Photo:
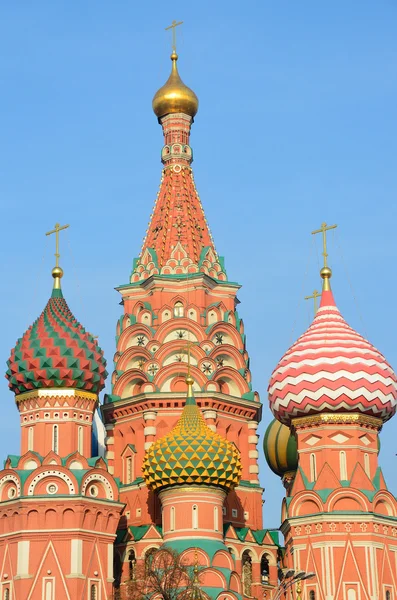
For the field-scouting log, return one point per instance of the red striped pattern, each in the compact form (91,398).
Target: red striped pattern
(331,368)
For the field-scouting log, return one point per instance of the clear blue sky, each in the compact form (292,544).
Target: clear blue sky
(296,125)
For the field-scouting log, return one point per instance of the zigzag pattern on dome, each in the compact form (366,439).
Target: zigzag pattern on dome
(178,239)
(332,368)
(56,351)
(192,454)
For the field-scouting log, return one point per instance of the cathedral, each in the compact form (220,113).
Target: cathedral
(173,460)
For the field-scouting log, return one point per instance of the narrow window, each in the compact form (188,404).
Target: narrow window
(312,595)
(313,470)
(265,570)
(178,309)
(129,469)
(7,594)
(388,595)
(172,518)
(195,517)
(351,594)
(49,590)
(216,520)
(131,565)
(30,438)
(55,439)
(80,437)
(367,468)
(342,465)
(94,592)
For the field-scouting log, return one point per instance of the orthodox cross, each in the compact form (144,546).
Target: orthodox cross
(186,350)
(323,229)
(56,230)
(173,25)
(314,297)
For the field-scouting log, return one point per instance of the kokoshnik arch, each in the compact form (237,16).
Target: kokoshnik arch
(181,461)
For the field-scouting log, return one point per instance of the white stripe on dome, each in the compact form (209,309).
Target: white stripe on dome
(346,350)
(328,376)
(298,398)
(333,360)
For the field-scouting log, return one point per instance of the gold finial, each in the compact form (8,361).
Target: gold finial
(314,297)
(298,590)
(325,272)
(173,26)
(57,272)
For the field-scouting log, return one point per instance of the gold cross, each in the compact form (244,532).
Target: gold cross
(173,25)
(324,228)
(314,297)
(56,230)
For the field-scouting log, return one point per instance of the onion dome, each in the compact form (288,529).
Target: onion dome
(332,368)
(280,447)
(191,453)
(175,96)
(56,351)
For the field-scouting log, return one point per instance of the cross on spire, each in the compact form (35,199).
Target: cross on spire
(56,230)
(173,25)
(314,297)
(323,229)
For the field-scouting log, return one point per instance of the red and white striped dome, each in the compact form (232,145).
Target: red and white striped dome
(331,368)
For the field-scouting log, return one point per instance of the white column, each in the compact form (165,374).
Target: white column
(23,558)
(76,557)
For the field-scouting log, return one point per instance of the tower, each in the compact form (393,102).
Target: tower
(334,391)
(179,306)
(59,506)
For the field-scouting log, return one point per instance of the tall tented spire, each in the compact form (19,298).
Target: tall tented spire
(178,240)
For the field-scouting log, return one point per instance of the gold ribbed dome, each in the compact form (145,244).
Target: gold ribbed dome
(175,96)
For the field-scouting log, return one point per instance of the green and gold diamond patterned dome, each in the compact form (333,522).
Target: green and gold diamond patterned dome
(56,351)
(192,454)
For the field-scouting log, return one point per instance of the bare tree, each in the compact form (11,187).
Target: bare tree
(164,575)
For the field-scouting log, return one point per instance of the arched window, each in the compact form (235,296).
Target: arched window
(195,516)
(351,594)
(367,467)
(30,438)
(131,565)
(246,562)
(313,469)
(172,518)
(343,465)
(49,590)
(7,593)
(264,570)
(312,595)
(55,438)
(94,592)
(80,437)
(178,309)
(216,519)
(388,595)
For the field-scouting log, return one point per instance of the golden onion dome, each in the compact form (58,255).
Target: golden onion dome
(175,96)
(280,447)
(192,454)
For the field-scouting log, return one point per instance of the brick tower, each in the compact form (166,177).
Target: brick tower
(179,301)
(334,390)
(59,506)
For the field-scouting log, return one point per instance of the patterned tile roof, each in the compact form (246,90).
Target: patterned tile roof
(56,351)
(332,368)
(192,454)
